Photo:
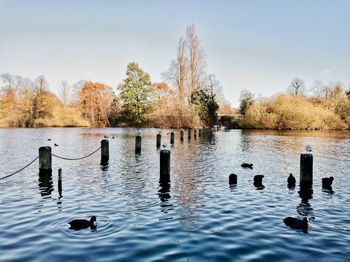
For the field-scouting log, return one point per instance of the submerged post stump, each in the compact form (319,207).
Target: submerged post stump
(159,139)
(138,144)
(189,134)
(306,167)
(181,135)
(104,152)
(60,181)
(45,160)
(172,137)
(165,165)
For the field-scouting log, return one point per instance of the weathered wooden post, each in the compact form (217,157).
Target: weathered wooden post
(45,160)
(159,139)
(181,135)
(104,152)
(172,137)
(194,133)
(306,167)
(138,144)
(164,165)
(189,134)
(60,181)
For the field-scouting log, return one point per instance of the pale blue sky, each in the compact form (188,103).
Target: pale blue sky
(256,45)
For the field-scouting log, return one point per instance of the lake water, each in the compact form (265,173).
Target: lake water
(199,217)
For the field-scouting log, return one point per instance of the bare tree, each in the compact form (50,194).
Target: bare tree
(195,62)
(65,91)
(8,81)
(297,87)
(177,73)
(181,68)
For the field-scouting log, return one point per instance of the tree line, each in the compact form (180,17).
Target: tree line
(187,97)
(326,107)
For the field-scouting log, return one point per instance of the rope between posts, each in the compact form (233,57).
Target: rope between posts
(78,158)
(20,169)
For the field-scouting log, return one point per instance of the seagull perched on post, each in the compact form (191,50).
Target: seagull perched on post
(308,149)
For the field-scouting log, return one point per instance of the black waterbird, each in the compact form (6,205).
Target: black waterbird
(327,182)
(246,165)
(78,224)
(291,180)
(296,223)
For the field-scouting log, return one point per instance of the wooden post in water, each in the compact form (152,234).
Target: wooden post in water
(138,144)
(159,139)
(189,134)
(172,137)
(199,132)
(104,152)
(181,135)
(306,167)
(45,160)
(60,181)
(164,165)
(194,133)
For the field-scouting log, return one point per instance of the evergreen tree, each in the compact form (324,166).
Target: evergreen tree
(136,94)
(206,105)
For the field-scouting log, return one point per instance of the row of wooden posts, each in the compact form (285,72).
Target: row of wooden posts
(45,160)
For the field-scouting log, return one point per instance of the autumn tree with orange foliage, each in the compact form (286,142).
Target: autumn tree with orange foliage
(97,102)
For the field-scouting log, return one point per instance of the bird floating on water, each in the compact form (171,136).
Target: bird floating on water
(296,223)
(291,181)
(247,165)
(49,139)
(105,136)
(55,144)
(78,224)
(308,148)
(327,182)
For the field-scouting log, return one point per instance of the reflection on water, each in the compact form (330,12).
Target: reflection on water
(45,185)
(194,215)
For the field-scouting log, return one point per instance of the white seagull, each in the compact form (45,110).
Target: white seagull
(308,148)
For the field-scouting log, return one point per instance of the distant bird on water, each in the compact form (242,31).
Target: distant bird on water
(105,136)
(296,223)
(291,180)
(308,148)
(327,182)
(247,165)
(49,139)
(55,144)
(78,224)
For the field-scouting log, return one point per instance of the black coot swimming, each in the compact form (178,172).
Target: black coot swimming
(291,180)
(327,182)
(246,165)
(296,223)
(78,224)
